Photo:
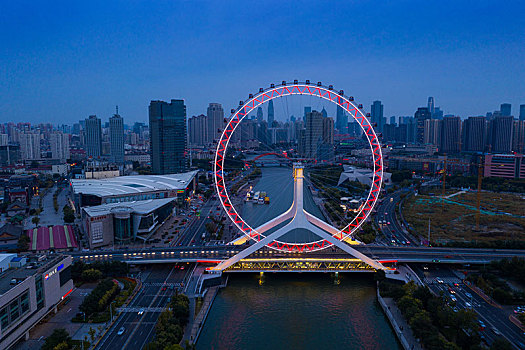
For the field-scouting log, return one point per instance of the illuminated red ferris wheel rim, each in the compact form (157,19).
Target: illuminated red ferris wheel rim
(299,88)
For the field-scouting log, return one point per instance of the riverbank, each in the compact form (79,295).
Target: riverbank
(399,325)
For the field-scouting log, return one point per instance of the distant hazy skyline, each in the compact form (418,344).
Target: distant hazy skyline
(62,61)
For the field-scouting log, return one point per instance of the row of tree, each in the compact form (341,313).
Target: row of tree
(170,325)
(82,272)
(432,320)
(100,297)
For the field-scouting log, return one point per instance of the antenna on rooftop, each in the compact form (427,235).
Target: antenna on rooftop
(117,110)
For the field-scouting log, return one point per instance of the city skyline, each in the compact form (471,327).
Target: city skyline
(460,59)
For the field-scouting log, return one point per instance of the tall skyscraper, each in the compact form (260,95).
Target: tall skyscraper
(376,112)
(306,111)
(168,137)
(93,137)
(116,138)
(522,112)
(198,130)
(313,133)
(501,134)
(432,132)
(59,143)
(475,134)
(451,135)
(216,124)
(430,105)
(518,136)
(271,114)
(420,116)
(392,120)
(341,120)
(506,109)
(324,113)
(30,146)
(260,115)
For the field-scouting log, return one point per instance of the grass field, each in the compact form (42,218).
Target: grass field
(502,217)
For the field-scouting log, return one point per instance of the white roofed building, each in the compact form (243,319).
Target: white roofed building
(90,192)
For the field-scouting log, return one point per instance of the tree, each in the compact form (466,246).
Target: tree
(92,333)
(69,217)
(59,335)
(62,346)
(501,344)
(35,220)
(23,242)
(91,275)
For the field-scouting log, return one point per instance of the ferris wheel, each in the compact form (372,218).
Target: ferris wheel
(327,93)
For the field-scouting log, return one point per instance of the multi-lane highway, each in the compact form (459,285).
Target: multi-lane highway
(221,252)
(158,285)
(496,322)
(192,234)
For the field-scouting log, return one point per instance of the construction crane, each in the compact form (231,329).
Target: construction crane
(478,196)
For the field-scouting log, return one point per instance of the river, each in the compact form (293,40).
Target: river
(297,311)
(294,310)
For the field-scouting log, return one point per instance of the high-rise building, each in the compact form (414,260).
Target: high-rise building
(506,109)
(518,136)
(59,143)
(93,136)
(116,138)
(341,120)
(501,134)
(475,134)
(376,113)
(451,135)
(271,114)
(393,120)
(198,130)
(438,113)
(4,139)
(324,113)
(306,111)
(432,132)
(29,146)
(522,112)
(430,105)
(420,116)
(168,137)
(216,123)
(313,133)
(260,115)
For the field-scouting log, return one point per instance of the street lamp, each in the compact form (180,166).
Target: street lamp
(110,311)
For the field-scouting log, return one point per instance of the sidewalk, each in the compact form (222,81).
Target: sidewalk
(398,322)
(196,327)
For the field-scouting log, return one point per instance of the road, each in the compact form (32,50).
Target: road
(492,316)
(139,329)
(386,220)
(192,234)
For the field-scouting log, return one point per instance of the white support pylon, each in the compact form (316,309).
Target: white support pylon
(300,219)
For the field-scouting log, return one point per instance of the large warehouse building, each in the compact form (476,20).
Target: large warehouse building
(132,188)
(122,223)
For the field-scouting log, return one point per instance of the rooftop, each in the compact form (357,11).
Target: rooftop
(124,185)
(22,273)
(138,207)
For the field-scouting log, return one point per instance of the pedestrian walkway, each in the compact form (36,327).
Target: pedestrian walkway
(203,313)
(398,322)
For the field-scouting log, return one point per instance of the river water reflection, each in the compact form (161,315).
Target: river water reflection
(297,311)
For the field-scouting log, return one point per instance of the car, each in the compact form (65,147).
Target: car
(468,295)
(456,284)
(439,280)
(495,331)
(121,331)
(468,305)
(141,311)
(425,267)
(452,291)
(163,288)
(453,298)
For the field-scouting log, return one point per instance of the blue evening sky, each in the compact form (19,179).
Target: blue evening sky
(61,61)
